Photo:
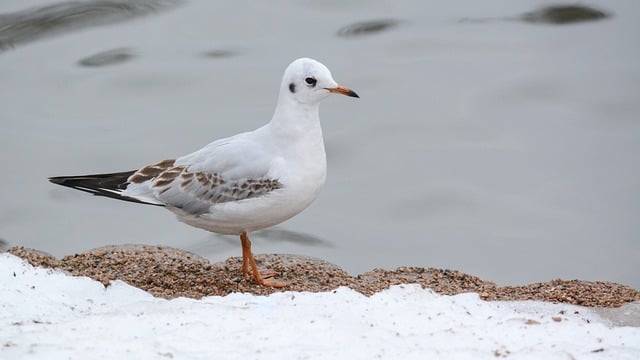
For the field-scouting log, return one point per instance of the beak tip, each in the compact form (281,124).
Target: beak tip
(343,91)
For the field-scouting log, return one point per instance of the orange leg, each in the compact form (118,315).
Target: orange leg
(248,261)
(246,249)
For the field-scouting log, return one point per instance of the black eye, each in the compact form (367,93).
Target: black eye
(310,81)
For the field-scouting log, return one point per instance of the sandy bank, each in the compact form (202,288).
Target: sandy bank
(170,273)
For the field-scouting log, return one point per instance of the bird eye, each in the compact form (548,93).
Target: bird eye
(310,81)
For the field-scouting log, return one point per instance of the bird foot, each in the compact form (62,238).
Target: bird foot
(265,278)
(264,273)
(250,268)
(267,273)
(273,283)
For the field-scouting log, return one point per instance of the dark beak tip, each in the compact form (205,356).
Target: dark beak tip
(342,90)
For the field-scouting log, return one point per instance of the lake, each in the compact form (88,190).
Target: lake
(498,138)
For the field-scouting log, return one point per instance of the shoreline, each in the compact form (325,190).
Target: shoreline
(169,273)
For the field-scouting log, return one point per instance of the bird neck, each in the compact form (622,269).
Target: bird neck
(294,119)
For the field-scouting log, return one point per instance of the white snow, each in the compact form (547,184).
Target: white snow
(48,314)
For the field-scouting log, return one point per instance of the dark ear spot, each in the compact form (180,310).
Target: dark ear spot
(292,87)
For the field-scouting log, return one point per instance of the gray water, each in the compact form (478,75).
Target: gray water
(489,138)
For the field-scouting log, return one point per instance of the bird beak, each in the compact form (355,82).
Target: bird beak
(343,90)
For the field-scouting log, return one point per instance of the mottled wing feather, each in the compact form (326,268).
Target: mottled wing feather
(195,192)
(215,174)
(151,171)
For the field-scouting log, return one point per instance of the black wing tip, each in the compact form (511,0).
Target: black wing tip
(111,181)
(59,180)
(107,185)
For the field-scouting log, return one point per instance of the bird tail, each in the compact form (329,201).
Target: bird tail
(110,185)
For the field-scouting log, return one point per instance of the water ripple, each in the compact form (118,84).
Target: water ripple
(109,57)
(564,14)
(367,27)
(39,22)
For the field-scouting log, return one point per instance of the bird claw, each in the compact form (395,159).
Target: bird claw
(274,283)
(267,273)
(264,273)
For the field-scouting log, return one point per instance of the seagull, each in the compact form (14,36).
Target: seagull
(243,183)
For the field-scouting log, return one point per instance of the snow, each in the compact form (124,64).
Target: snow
(45,313)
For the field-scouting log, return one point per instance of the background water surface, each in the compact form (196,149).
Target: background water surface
(491,136)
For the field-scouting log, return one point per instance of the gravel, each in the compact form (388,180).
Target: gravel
(169,273)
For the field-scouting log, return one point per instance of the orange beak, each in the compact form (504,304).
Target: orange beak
(343,90)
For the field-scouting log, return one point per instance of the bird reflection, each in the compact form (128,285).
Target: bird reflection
(216,243)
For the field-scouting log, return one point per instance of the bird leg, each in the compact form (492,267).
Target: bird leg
(249,265)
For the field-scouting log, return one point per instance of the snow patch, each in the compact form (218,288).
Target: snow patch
(48,314)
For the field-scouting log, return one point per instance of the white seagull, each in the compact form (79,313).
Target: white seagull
(245,182)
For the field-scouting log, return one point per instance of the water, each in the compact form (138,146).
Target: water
(484,141)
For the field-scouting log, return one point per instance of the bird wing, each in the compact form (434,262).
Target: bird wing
(215,174)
